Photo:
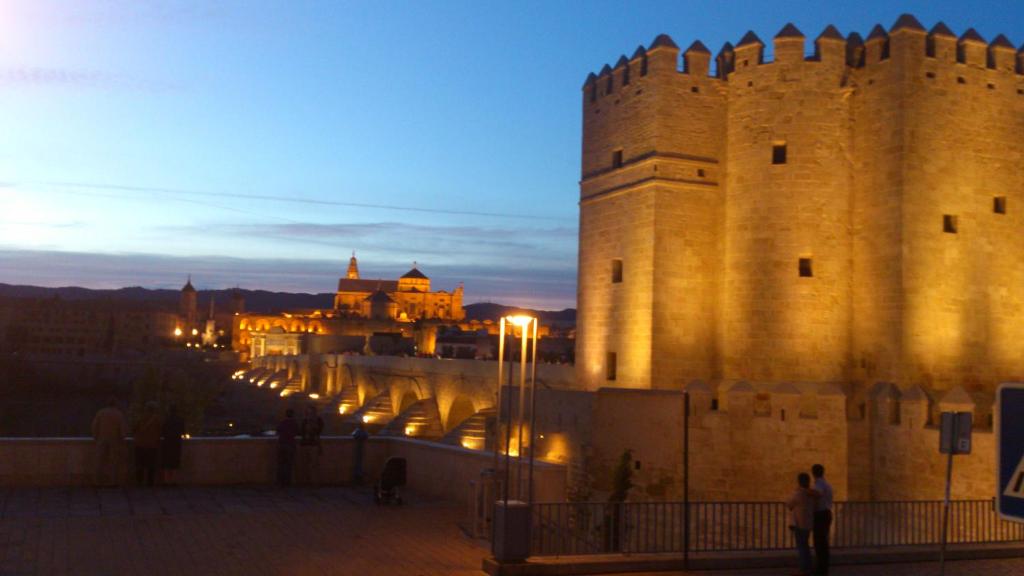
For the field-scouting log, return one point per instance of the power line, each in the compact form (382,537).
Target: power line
(302,200)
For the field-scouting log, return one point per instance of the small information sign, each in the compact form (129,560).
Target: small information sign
(955,436)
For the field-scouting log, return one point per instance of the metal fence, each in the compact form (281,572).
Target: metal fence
(656,527)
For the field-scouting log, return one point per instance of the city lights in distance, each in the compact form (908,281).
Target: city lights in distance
(314,396)
(177,332)
(342,408)
(367,418)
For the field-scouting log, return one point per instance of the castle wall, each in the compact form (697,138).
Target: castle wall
(964,314)
(650,199)
(882,141)
(778,325)
(750,449)
(877,273)
(906,463)
(688,216)
(615,317)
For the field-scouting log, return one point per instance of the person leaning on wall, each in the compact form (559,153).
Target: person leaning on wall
(109,429)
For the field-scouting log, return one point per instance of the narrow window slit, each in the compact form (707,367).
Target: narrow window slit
(779,153)
(805,269)
(949,224)
(999,204)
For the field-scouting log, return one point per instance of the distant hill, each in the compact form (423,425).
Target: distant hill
(255,300)
(492,311)
(261,301)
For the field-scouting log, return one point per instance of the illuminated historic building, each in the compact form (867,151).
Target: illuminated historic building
(408,298)
(206,329)
(402,311)
(852,216)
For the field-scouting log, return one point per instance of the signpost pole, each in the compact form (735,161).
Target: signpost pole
(954,438)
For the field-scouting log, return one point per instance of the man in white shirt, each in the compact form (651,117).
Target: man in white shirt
(822,518)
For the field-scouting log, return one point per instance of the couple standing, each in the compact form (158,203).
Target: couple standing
(811,510)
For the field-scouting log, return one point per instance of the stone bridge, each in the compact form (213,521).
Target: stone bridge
(429,398)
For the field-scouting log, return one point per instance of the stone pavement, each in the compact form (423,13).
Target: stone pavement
(227,531)
(267,531)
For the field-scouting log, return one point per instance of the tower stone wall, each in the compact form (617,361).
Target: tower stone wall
(848,213)
(650,212)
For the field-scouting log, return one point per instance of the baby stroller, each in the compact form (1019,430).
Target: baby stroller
(393,476)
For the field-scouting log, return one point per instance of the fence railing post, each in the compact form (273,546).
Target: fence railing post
(686,480)
(656,527)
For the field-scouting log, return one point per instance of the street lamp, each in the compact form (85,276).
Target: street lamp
(514,547)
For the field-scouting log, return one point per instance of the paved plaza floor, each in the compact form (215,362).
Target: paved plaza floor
(228,531)
(268,531)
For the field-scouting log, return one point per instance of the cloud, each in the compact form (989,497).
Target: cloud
(348,230)
(553,246)
(393,242)
(522,285)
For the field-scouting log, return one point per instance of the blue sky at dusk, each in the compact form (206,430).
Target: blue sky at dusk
(258,144)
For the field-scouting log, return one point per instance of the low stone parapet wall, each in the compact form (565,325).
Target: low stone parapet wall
(433,470)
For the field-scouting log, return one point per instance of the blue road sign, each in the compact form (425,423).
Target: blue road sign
(1010,442)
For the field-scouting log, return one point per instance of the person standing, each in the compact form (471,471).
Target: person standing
(822,519)
(147,444)
(287,430)
(311,429)
(108,430)
(170,445)
(801,519)
(359,435)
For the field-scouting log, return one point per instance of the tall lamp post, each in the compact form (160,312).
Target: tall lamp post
(513,541)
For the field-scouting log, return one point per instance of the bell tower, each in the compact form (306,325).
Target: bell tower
(353,268)
(188,304)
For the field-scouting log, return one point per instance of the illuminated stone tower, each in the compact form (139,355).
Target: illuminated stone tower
(353,268)
(852,215)
(187,304)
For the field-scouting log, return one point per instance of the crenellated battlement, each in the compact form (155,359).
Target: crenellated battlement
(787,402)
(809,208)
(887,405)
(906,41)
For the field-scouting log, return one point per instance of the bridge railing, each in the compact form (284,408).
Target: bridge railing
(573,528)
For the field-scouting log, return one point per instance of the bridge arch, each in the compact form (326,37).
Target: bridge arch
(460,409)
